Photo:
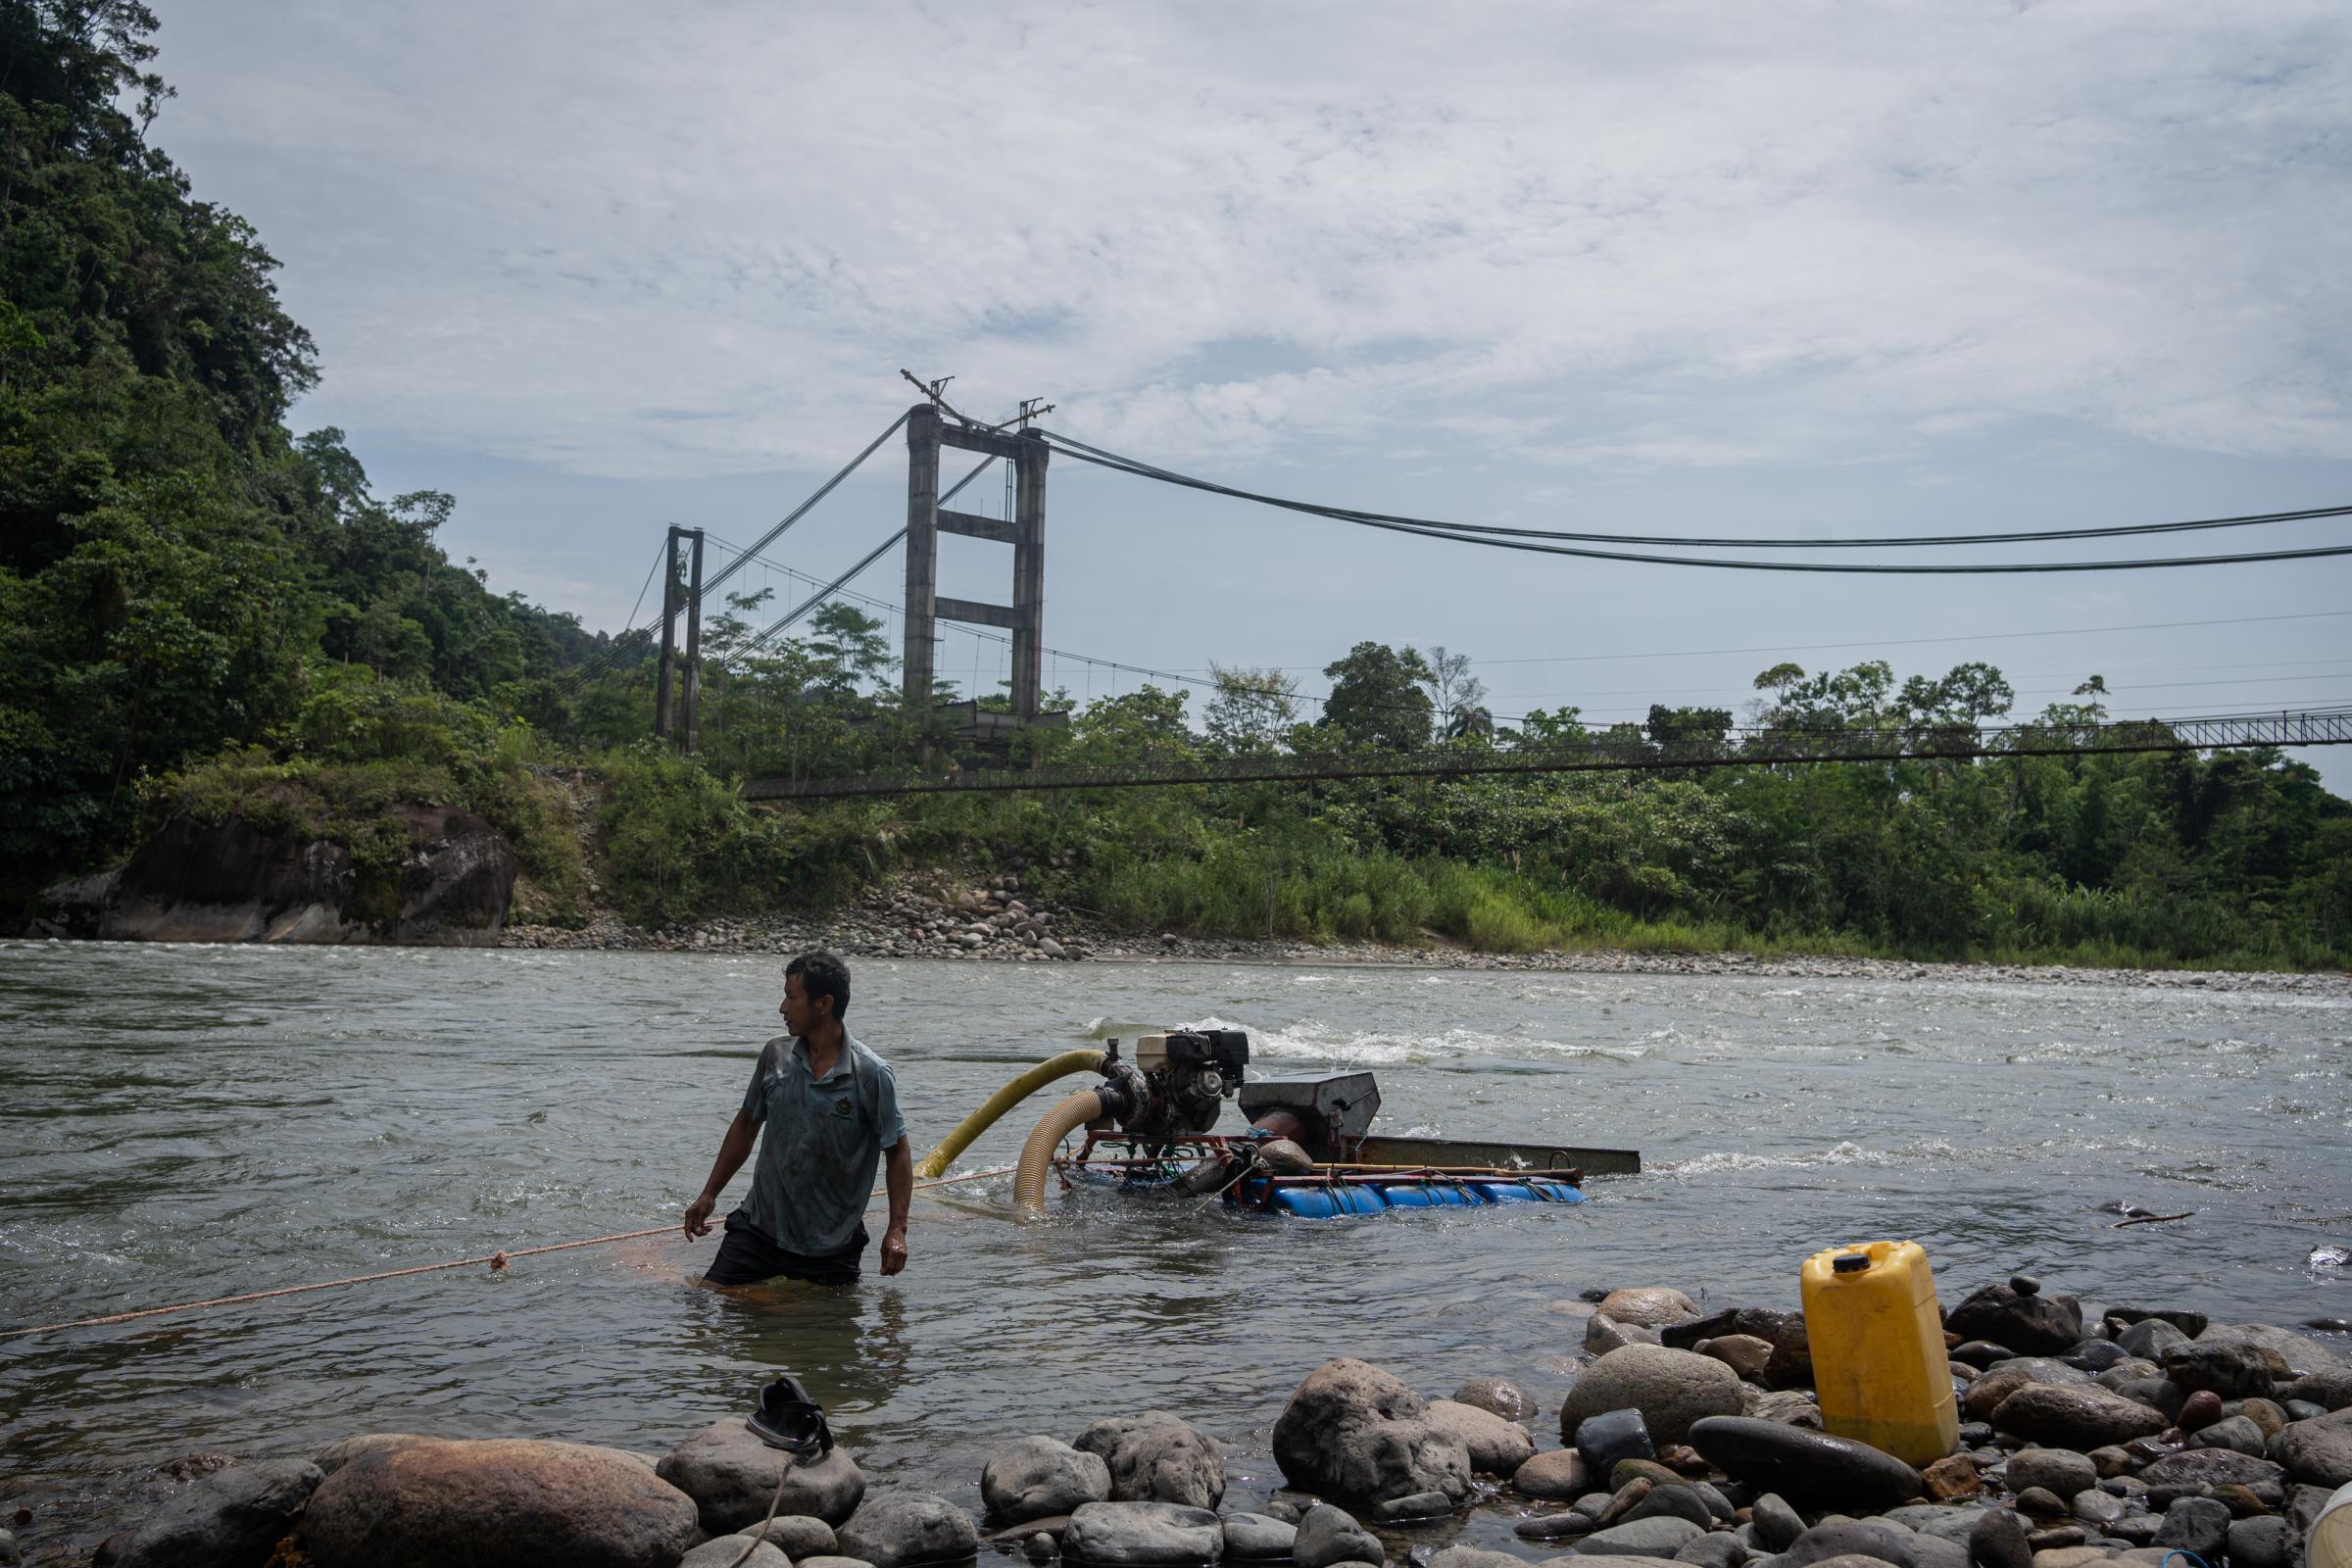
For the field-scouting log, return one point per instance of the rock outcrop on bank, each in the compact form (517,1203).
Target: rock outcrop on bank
(236,880)
(2146,1434)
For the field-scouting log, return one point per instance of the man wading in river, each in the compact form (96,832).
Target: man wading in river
(830,1107)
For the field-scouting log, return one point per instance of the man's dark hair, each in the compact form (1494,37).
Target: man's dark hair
(822,974)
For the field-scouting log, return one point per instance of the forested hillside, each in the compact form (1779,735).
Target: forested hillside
(202,611)
(180,574)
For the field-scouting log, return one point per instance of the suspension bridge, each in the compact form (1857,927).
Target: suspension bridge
(1024,448)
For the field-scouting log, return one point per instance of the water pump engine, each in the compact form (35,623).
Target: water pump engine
(1175,1084)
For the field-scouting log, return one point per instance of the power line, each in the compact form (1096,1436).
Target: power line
(1913,642)
(1492,538)
(2037,691)
(2110,670)
(1910,642)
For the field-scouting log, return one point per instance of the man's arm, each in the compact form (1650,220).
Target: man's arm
(733,1151)
(898,1173)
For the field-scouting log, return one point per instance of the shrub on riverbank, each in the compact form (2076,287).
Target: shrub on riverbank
(1178,859)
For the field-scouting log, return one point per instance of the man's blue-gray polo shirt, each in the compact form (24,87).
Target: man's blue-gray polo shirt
(821,1141)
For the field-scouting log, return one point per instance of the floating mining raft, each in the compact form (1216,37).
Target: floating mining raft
(1308,1149)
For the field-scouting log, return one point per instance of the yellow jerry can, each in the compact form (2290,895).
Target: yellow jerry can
(1878,1361)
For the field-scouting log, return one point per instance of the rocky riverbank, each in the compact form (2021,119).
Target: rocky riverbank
(998,918)
(2087,1436)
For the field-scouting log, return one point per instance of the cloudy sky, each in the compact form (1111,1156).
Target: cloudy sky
(1731,269)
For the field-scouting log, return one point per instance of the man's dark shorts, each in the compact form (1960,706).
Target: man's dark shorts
(746,1257)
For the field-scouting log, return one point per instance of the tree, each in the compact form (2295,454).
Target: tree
(723,633)
(1141,726)
(1252,709)
(1378,697)
(1851,699)
(849,645)
(1968,694)
(1561,726)
(1688,726)
(1456,695)
(178,570)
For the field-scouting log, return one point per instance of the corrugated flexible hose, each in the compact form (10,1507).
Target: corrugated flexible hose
(1037,1155)
(935,1163)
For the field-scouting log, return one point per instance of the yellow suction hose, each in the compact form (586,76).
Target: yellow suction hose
(1037,1155)
(935,1163)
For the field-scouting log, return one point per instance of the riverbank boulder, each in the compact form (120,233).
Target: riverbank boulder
(1499,1396)
(2069,1416)
(1475,1557)
(1560,1476)
(1157,1457)
(2231,1369)
(2294,1354)
(1672,1389)
(1143,1535)
(1329,1535)
(1258,1538)
(1352,1430)
(797,1535)
(1649,1306)
(1792,1364)
(731,1476)
(901,1527)
(517,1502)
(1854,1537)
(236,1515)
(2331,1390)
(2026,1322)
(2201,1470)
(335,1455)
(1763,1322)
(2061,1472)
(1497,1448)
(1811,1465)
(1661,1536)
(2317,1452)
(724,1550)
(1038,1477)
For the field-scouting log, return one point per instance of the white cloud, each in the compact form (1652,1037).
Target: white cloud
(670,242)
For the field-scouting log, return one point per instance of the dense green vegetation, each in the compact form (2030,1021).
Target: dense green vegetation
(201,611)
(178,574)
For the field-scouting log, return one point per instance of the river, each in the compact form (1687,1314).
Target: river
(183,1122)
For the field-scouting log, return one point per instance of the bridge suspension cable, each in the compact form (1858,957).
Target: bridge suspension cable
(802,510)
(792,617)
(1540,541)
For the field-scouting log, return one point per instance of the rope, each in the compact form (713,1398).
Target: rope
(496,1260)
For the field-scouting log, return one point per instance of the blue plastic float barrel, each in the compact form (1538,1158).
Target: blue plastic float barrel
(1530,1192)
(1329,1201)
